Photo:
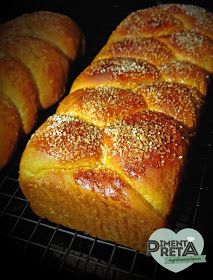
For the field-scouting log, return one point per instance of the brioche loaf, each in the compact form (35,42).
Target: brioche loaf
(110,160)
(35,52)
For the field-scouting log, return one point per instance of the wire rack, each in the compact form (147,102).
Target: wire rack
(52,247)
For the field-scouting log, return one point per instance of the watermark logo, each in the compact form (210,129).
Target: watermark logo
(176,251)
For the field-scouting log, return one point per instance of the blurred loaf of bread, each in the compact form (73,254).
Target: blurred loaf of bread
(35,53)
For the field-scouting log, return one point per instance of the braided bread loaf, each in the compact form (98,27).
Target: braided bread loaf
(35,50)
(110,160)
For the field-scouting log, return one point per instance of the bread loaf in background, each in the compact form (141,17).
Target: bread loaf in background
(110,160)
(35,52)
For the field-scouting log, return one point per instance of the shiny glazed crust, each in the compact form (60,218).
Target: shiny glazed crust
(110,160)
(121,72)
(35,52)
(101,105)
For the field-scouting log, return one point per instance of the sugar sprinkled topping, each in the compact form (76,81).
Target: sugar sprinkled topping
(200,20)
(150,50)
(149,20)
(180,66)
(67,138)
(120,65)
(104,103)
(190,42)
(203,17)
(173,99)
(126,70)
(185,73)
(151,141)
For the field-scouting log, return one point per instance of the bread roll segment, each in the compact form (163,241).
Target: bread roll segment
(175,100)
(150,50)
(119,72)
(44,62)
(101,106)
(185,73)
(192,47)
(192,17)
(9,129)
(16,83)
(110,160)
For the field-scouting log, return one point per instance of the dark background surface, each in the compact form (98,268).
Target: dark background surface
(97,19)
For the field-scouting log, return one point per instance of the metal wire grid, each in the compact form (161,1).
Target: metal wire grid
(59,248)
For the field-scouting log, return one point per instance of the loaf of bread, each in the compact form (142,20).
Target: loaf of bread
(110,160)
(35,53)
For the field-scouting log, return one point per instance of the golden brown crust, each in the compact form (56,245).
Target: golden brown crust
(149,50)
(45,63)
(88,211)
(57,29)
(119,72)
(185,73)
(151,22)
(67,141)
(192,47)
(104,182)
(175,100)
(143,144)
(193,18)
(16,83)
(10,126)
(101,105)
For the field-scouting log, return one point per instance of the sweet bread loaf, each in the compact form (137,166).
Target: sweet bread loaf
(109,161)
(35,52)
